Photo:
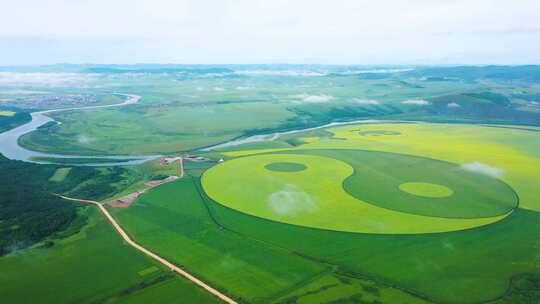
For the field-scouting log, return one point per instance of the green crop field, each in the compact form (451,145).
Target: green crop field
(460,152)
(176,216)
(454,158)
(333,184)
(91,266)
(60,174)
(315,197)
(188,108)
(428,190)
(268,202)
(161,130)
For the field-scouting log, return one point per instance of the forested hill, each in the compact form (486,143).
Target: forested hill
(9,122)
(29,212)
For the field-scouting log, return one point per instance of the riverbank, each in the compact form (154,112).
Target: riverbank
(10,148)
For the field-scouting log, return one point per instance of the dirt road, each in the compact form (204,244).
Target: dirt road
(181,167)
(149,253)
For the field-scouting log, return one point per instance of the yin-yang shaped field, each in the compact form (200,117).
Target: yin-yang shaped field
(360,191)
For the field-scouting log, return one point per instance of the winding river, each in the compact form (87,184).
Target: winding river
(276,135)
(10,148)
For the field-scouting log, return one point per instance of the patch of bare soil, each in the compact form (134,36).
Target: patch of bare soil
(127,200)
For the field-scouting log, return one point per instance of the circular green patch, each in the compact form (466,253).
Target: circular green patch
(426,190)
(378,176)
(315,197)
(378,133)
(285,167)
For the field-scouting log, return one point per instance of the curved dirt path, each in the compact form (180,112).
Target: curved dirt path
(149,253)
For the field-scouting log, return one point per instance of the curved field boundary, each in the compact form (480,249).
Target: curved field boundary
(314,205)
(498,180)
(207,202)
(10,148)
(305,151)
(151,254)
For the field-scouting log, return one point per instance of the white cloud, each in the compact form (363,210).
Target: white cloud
(453,105)
(447,244)
(22,92)
(482,168)
(376,71)
(291,201)
(219,89)
(287,73)
(84,139)
(366,101)
(534,103)
(45,79)
(315,98)
(417,102)
(242,88)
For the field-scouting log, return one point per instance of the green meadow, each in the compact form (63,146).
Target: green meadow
(174,216)
(90,266)
(260,254)
(149,129)
(434,200)
(60,174)
(472,266)
(191,107)
(323,196)
(179,215)
(451,267)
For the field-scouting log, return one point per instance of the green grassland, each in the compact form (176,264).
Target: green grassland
(174,220)
(77,160)
(285,167)
(60,174)
(471,266)
(91,266)
(174,291)
(315,197)
(453,267)
(57,251)
(464,243)
(152,129)
(261,261)
(378,178)
(343,289)
(30,211)
(428,190)
(175,217)
(187,108)
(513,152)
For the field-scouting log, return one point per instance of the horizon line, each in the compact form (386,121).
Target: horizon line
(270,64)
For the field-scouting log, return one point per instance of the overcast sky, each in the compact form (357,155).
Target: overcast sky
(272,31)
